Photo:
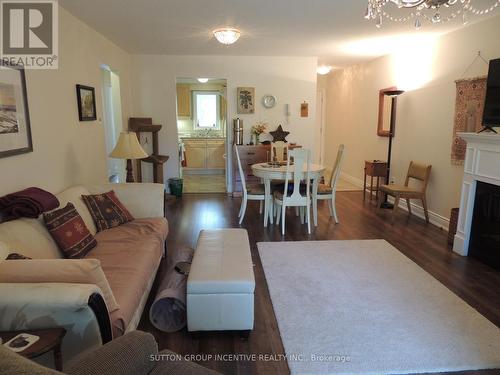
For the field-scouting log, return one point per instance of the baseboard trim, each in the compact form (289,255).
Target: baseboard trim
(200,171)
(353,180)
(434,218)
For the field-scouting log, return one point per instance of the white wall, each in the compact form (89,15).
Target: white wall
(66,151)
(291,79)
(425,115)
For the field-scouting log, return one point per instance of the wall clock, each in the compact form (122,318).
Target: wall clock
(269,101)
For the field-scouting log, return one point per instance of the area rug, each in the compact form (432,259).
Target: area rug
(362,307)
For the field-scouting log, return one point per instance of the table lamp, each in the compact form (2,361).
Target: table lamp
(128,147)
(393,94)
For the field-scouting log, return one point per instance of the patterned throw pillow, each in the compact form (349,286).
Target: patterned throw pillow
(107,210)
(68,229)
(16,256)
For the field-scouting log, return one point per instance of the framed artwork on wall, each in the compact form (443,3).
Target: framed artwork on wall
(15,131)
(246,100)
(86,103)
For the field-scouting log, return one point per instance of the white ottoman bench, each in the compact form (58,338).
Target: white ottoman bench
(221,283)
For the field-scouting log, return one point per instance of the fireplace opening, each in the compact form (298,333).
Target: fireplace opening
(485,230)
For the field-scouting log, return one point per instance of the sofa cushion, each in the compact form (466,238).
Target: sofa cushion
(74,195)
(69,231)
(29,237)
(130,255)
(72,271)
(107,210)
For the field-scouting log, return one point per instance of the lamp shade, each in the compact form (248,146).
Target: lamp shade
(393,93)
(128,147)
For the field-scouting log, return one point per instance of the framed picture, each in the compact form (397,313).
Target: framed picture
(246,100)
(15,131)
(86,103)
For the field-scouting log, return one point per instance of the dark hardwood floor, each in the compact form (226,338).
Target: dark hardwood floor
(426,245)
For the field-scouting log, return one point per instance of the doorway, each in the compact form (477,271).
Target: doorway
(202,127)
(112,117)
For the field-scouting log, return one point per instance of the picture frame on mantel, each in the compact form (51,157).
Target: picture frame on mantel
(384,112)
(86,103)
(15,128)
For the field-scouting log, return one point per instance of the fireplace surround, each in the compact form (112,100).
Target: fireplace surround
(482,165)
(484,241)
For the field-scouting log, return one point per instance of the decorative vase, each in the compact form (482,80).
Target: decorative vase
(256,139)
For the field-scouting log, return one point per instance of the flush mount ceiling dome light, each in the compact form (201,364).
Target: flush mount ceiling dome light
(203,80)
(428,10)
(227,35)
(323,69)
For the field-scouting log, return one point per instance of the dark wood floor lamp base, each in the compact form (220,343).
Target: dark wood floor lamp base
(130,172)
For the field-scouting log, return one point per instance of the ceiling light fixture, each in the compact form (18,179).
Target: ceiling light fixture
(227,35)
(323,69)
(428,10)
(203,80)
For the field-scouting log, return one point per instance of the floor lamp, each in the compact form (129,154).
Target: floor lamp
(129,148)
(393,94)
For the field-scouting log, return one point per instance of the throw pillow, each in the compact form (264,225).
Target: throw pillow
(107,210)
(69,231)
(16,256)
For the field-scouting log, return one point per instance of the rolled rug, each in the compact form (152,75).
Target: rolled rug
(168,310)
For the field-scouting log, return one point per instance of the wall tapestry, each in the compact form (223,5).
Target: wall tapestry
(246,100)
(469,108)
(15,133)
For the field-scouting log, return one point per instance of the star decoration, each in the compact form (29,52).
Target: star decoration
(279,134)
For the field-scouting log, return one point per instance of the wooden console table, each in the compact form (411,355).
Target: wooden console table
(374,168)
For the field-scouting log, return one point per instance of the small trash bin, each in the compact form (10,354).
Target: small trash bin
(175,185)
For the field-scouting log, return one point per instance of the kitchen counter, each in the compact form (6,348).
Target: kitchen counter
(196,137)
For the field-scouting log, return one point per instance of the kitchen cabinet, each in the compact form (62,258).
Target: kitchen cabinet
(183,100)
(205,153)
(215,154)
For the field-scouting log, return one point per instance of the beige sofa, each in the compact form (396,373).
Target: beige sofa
(50,291)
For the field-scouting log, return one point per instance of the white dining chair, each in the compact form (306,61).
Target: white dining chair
(328,191)
(278,150)
(299,197)
(254,192)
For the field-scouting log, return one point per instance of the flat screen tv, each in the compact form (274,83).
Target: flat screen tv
(491,116)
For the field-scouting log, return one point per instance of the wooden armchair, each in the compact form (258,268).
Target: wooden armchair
(418,172)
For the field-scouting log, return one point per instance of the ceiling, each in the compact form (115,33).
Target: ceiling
(333,30)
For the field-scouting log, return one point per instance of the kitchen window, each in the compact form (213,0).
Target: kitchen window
(206,109)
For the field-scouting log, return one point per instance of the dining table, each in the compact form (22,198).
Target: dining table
(268,172)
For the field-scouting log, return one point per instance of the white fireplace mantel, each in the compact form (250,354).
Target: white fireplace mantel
(482,163)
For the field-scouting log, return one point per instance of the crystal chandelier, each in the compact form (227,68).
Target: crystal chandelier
(425,10)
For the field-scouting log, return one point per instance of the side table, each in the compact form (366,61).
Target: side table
(50,339)
(374,168)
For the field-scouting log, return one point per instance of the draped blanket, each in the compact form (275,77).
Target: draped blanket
(30,202)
